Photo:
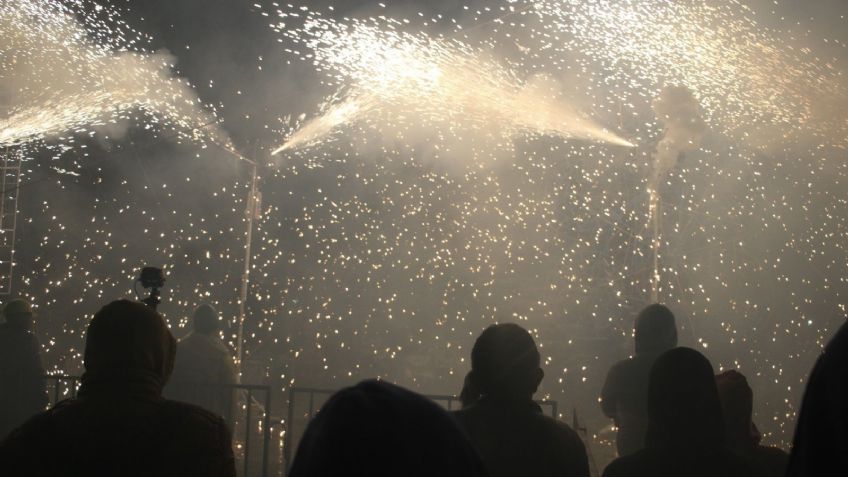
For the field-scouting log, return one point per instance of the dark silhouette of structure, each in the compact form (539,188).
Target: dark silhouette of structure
(685,427)
(625,392)
(820,445)
(469,394)
(377,429)
(506,427)
(204,371)
(22,390)
(741,436)
(119,424)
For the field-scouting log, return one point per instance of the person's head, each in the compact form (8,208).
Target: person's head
(128,338)
(820,444)
(380,430)
(737,404)
(684,410)
(205,320)
(505,362)
(655,330)
(18,313)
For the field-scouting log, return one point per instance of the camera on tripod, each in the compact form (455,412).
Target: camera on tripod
(152,279)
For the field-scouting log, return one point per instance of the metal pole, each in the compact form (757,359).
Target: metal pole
(266,443)
(655,211)
(245,277)
(247,432)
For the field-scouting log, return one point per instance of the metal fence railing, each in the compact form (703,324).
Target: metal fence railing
(304,403)
(253,421)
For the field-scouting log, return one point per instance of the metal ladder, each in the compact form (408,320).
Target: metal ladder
(10,176)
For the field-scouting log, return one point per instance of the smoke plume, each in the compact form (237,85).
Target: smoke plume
(679,111)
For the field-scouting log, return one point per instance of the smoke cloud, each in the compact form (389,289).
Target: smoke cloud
(679,111)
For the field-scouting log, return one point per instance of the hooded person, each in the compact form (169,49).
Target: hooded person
(377,429)
(119,424)
(685,436)
(204,371)
(505,425)
(625,391)
(22,389)
(737,403)
(820,446)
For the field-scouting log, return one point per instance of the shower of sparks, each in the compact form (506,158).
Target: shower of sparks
(397,77)
(69,67)
(388,260)
(751,82)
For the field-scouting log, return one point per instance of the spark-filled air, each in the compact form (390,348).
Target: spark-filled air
(429,168)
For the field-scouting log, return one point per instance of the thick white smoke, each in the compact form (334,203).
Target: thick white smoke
(684,128)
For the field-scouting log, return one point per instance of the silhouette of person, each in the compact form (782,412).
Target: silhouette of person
(625,392)
(741,437)
(377,429)
(22,390)
(204,369)
(119,424)
(685,435)
(820,446)
(506,427)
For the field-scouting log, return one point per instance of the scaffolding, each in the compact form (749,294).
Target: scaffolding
(10,180)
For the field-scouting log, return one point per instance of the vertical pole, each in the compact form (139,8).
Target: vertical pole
(266,420)
(247,432)
(655,245)
(245,277)
(288,440)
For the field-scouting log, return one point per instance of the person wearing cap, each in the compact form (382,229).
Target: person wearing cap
(119,424)
(740,433)
(505,425)
(22,389)
(204,371)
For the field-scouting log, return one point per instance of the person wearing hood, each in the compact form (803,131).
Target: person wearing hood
(377,429)
(505,425)
(625,391)
(741,437)
(685,436)
(204,371)
(119,424)
(22,390)
(820,445)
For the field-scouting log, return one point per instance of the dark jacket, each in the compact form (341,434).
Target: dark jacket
(624,397)
(119,424)
(203,374)
(685,435)
(820,446)
(514,438)
(376,429)
(22,391)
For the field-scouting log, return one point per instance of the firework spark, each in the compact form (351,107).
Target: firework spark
(405,78)
(68,75)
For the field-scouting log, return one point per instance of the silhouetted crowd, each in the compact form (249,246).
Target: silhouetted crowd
(674,416)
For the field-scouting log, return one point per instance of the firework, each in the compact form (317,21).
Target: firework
(411,80)
(65,75)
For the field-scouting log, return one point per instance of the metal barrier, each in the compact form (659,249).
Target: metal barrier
(61,387)
(449,402)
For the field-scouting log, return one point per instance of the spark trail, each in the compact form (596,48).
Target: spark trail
(394,77)
(753,84)
(71,67)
